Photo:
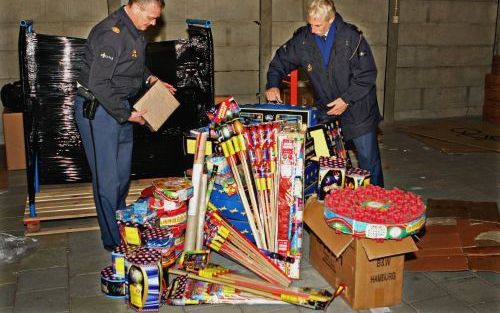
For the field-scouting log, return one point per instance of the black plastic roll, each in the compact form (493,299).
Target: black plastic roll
(49,67)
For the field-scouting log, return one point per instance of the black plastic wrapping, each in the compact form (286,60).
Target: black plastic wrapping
(11,95)
(49,66)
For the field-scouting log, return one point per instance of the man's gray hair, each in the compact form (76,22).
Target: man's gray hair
(160,2)
(321,9)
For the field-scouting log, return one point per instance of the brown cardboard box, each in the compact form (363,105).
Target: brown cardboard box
(459,236)
(159,104)
(13,133)
(372,271)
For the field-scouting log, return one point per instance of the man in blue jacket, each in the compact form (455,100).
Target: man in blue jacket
(112,72)
(342,71)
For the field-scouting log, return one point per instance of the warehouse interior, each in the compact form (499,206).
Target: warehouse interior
(438,89)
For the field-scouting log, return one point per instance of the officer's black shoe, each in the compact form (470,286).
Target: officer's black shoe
(109,248)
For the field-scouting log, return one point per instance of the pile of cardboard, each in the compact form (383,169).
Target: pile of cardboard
(459,235)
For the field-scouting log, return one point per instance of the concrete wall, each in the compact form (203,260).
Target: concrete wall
(445,49)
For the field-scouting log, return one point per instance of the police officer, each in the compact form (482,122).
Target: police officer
(342,71)
(113,71)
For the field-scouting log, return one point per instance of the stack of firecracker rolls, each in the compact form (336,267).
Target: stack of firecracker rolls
(267,160)
(152,233)
(353,206)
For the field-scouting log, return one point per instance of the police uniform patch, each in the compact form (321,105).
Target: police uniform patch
(309,67)
(134,54)
(115,29)
(106,56)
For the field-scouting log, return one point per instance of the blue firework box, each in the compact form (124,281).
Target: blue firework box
(243,227)
(229,207)
(267,112)
(144,280)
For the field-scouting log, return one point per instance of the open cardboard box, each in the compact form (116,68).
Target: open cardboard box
(372,271)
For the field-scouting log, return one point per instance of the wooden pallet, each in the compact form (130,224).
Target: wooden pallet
(58,206)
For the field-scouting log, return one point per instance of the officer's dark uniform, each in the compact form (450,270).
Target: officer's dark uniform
(113,71)
(351,74)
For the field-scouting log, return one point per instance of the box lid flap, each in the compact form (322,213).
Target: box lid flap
(314,218)
(375,250)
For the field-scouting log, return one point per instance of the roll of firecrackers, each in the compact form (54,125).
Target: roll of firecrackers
(144,279)
(291,145)
(331,176)
(171,197)
(225,239)
(374,212)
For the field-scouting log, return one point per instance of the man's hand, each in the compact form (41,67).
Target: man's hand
(136,117)
(273,94)
(170,88)
(338,106)
(153,79)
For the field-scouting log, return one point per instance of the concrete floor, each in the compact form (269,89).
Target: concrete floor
(62,275)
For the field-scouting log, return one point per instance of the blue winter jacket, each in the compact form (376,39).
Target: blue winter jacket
(351,75)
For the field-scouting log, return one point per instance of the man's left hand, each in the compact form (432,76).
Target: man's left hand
(338,106)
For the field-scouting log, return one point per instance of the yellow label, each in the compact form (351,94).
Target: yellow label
(132,236)
(191,146)
(120,266)
(320,145)
(172,220)
(135,295)
(236,144)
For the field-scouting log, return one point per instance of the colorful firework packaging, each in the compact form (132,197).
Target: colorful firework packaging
(357,177)
(118,260)
(332,173)
(139,212)
(194,260)
(144,279)
(111,285)
(290,202)
(307,297)
(131,233)
(374,212)
(163,241)
(225,239)
(175,189)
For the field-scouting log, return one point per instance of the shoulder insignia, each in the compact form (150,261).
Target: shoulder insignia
(115,29)
(309,67)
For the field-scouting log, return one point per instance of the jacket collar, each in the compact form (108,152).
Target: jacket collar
(129,24)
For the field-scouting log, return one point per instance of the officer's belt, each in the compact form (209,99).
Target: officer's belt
(84,92)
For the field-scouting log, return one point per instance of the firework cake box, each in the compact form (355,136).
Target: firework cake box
(372,270)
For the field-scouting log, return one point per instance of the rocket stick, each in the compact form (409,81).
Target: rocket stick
(192,218)
(202,208)
(228,151)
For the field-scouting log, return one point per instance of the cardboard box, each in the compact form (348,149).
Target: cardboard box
(259,113)
(459,236)
(159,103)
(372,271)
(13,133)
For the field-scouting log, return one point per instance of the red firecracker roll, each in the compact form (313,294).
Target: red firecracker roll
(374,212)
